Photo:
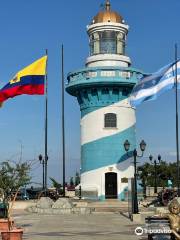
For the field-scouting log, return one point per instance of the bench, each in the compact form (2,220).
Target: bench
(158,228)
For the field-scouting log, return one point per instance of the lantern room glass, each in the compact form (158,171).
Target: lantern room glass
(107,42)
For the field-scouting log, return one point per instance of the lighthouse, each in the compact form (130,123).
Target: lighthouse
(102,89)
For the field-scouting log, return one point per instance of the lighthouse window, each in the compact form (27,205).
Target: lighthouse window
(94,44)
(108,42)
(120,43)
(91,45)
(110,120)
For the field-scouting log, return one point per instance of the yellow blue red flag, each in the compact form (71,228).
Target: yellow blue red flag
(30,80)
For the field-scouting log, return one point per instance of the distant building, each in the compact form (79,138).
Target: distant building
(102,89)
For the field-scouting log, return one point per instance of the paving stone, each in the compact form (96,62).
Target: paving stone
(75,226)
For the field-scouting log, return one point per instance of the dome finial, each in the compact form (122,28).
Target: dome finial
(108,5)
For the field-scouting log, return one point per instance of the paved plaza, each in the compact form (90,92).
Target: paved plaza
(109,226)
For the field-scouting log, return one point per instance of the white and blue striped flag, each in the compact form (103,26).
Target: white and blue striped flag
(151,86)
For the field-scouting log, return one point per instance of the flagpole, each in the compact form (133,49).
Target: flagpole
(63,125)
(46,123)
(177,123)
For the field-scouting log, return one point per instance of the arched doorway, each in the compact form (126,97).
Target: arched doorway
(110,185)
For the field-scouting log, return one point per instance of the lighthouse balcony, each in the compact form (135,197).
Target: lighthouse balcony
(106,59)
(102,76)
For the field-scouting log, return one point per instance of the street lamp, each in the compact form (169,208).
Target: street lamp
(155,170)
(135,155)
(43,161)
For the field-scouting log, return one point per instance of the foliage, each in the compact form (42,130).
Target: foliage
(13,176)
(71,181)
(55,184)
(77,179)
(165,171)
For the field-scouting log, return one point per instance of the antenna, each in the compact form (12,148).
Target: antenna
(105,6)
(108,5)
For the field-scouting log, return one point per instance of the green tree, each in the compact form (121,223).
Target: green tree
(77,179)
(56,185)
(145,175)
(71,181)
(13,176)
(165,171)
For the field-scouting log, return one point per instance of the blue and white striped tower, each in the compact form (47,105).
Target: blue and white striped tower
(107,120)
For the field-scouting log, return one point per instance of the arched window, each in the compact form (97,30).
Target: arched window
(110,120)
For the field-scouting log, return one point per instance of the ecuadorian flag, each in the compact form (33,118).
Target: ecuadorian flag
(30,80)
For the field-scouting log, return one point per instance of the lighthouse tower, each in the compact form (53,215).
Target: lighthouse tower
(102,89)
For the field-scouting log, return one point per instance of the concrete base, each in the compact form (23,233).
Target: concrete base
(161,210)
(140,217)
(74,210)
(61,206)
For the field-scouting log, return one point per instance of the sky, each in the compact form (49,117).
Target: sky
(27,28)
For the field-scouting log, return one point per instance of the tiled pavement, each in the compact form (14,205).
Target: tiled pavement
(109,226)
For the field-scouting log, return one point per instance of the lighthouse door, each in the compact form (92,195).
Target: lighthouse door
(110,185)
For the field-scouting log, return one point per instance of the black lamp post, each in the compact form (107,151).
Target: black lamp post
(135,155)
(155,170)
(43,161)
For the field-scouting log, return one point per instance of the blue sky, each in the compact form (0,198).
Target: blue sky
(27,28)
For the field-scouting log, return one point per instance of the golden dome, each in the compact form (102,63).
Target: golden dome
(107,15)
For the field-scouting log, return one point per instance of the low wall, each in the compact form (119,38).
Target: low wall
(24,204)
(150,191)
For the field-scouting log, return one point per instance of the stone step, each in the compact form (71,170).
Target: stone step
(107,205)
(109,209)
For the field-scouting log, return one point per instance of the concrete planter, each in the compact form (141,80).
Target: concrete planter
(5,225)
(14,234)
